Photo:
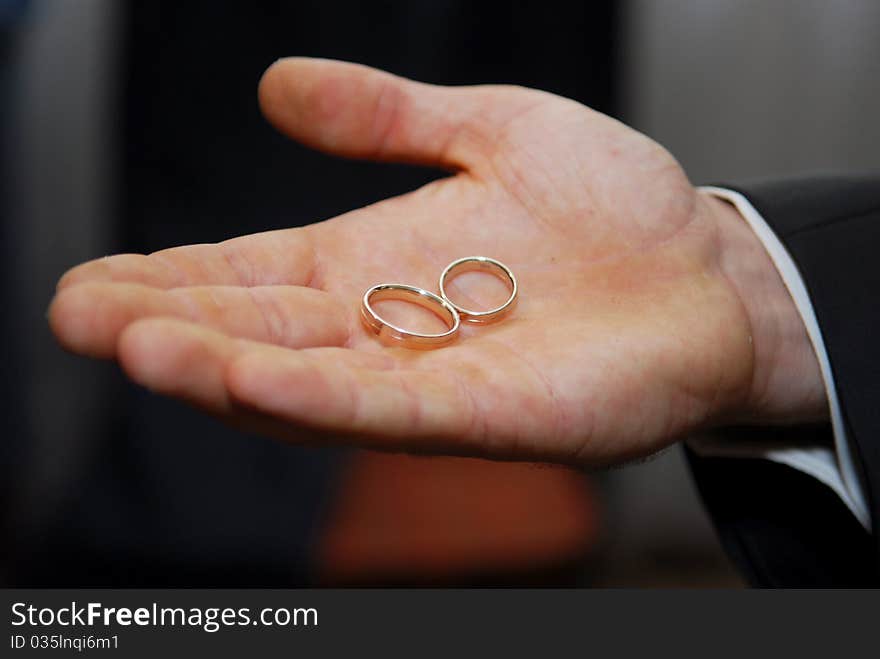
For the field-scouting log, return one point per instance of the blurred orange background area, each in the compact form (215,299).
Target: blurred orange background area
(405,519)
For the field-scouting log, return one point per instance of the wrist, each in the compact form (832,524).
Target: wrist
(786,384)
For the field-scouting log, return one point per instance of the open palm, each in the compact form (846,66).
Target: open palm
(627,333)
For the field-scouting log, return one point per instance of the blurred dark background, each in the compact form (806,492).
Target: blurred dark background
(133,126)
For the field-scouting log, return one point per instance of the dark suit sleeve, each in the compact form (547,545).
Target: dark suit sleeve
(782,527)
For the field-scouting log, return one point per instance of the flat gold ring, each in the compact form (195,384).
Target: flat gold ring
(480,264)
(392,333)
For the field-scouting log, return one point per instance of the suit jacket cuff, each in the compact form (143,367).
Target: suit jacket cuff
(834,466)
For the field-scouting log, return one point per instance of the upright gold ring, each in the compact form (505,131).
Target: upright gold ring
(480,264)
(426,299)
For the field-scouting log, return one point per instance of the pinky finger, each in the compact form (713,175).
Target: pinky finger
(180,359)
(331,391)
(317,395)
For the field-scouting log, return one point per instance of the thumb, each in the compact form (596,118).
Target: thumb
(356,111)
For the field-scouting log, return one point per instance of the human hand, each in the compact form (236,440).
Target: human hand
(647,310)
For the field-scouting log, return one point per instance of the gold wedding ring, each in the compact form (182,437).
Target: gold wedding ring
(480,264)
(426,299)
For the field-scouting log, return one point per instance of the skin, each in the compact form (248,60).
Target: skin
(647,310)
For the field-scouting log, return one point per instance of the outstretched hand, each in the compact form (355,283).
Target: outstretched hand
(647,310)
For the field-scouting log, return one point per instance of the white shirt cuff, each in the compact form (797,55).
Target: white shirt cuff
(833,466)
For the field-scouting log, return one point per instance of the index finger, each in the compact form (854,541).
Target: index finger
(281,257)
